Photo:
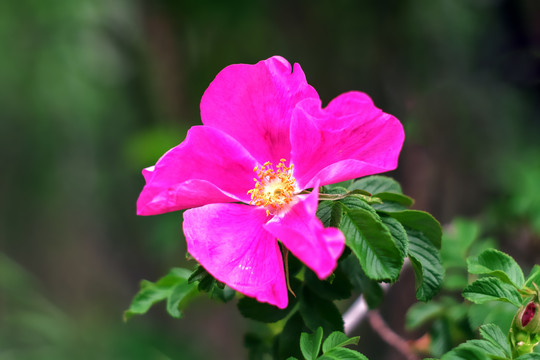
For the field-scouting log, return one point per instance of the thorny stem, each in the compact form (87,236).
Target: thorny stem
(388,335)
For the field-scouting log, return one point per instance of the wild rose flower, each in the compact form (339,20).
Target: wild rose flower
(264,140)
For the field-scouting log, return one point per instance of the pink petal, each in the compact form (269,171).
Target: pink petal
(209,166)
(254,103)
(229,241)
(349,138)
(303,234)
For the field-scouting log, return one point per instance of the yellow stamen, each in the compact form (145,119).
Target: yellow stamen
(274,188)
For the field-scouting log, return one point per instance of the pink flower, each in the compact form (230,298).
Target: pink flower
(265,139)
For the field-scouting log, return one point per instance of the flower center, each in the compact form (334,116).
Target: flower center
(274,187)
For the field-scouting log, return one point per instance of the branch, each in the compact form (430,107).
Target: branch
(388,335)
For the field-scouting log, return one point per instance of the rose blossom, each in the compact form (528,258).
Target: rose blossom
(265,139)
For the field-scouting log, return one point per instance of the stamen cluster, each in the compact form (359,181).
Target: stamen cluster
(274,187)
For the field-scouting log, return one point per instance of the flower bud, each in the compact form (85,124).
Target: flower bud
(528,318)
(525,331)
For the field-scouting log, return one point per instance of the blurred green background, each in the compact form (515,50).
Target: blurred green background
(92,91)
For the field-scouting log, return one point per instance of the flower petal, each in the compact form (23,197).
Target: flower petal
(254,103)
(209,166)
(229,241)
(349,138)
(303,234)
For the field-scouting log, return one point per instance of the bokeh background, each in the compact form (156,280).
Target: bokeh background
(92,91)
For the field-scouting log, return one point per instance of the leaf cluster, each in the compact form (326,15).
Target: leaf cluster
(497,289)
(380,233)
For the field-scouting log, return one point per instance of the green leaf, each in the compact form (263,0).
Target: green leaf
(420,221)
(534,277)
(198,274)
(395,198)
(328,189)
(494,335)
(337,287)
(370,289)
(393,202)
(340,353)
(329,212)
(398,234)
(531,356)
(252,309)
(420,313)
(377,184)
(426,263)
(179,295)
(222,293)
(356,202)
(372,243)
(466,352)
(338,339)
(489,289)
(317,311)
(310,344)
(287,342)
(494,352)
(174,287)
(495,263)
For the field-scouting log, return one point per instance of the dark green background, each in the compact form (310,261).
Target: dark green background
(92,91)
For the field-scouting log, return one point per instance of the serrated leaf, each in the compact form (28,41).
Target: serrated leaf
(174,284)
(317,311)
(495,263)
(488,348)
(534,277)
(420,221)
(329,212)
(398,234)
(310,344)
(494,335)
(370,289)
(466,352)
(263,312)
(420,313)
(426,263)
(377,184)
(338,339)
(489,289)
(340,353)
(372,243)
